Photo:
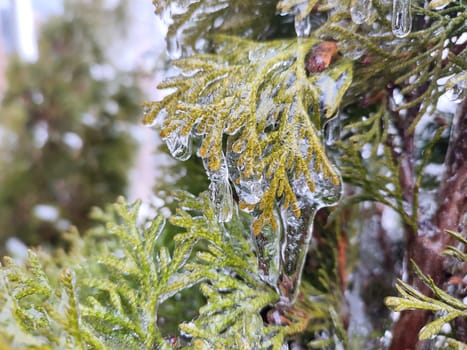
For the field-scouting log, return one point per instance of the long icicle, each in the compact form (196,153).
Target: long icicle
(401,18)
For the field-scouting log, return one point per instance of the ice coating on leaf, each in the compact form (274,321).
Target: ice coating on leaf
(250,190)
(330,90)
(401,18)
(360,10)
(439,4)
(299,8)
(454,93)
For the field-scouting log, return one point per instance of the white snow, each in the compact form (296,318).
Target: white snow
(16,249)
(46,212)
(40,134)
(391,223)
(73,140)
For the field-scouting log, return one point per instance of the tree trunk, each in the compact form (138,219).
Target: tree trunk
(426,250)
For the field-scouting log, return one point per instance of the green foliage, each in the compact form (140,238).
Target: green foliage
(446,307)
(116,279)
(105,307)
(419,69)
(259,109)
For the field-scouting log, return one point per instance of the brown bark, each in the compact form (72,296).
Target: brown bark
(426,249)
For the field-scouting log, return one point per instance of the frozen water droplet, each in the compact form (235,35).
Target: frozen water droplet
(222,199)
(456,86)
(218,22)
(250,190)
(360,10)
(302,26)
(332,130)
(201,45)
(401,18)
(179,145)
(174,48)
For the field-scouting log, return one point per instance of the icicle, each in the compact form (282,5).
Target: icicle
(232,158)
(302,26)
(221,198)
(401,18)
(268,252)
(332,130)
(297,230)
(294,246)
(360,10)
(302,21)
(174,48)
(179,145)
(221,192)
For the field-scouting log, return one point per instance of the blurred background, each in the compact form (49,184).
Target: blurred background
(73,76)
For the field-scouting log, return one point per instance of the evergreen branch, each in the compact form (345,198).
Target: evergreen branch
(344,35)
(446,306)
(257,97)
(192,22)
(458,237)
(117,309)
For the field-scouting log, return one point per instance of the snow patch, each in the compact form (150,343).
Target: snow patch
(46,212)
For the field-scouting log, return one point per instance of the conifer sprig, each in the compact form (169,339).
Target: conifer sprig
(260,97)
(117,277)
(445,306)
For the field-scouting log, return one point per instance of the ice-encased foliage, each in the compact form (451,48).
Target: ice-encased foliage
(190,22)
(260,100)
(256,111)
(119,276)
